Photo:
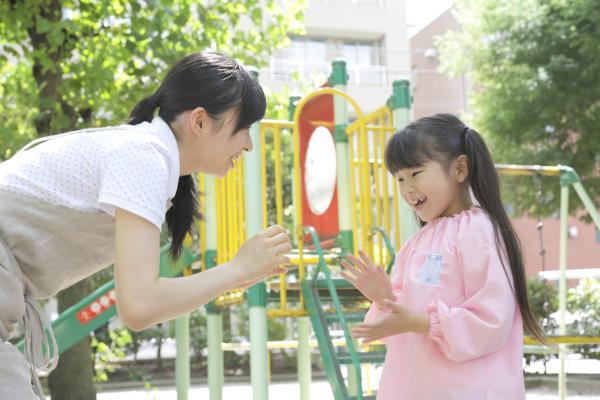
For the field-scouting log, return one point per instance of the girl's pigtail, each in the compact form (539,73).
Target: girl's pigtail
(485,184)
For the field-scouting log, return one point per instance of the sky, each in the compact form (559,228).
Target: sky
(419,13)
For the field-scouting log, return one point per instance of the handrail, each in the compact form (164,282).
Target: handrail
(388,245)
(337,305)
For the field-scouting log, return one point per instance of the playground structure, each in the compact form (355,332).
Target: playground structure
(358,207)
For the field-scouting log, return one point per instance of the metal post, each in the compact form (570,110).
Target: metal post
(399,103)
(304,364)
(182,360)
(303,360)
(338,80)
(214,321)
(562,288)
(257,295)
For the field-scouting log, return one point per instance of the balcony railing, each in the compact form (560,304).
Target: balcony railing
(284,70)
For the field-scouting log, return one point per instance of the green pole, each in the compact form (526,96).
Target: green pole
(216,374)
(257,296)
(338,80)
(303,359)
(182,359)
(562,287)
(400,103)
(214,320)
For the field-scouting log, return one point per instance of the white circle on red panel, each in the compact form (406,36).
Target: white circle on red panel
(320,170)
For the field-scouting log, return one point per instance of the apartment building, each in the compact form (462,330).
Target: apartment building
(369,34)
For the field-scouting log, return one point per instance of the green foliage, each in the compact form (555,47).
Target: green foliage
(582,318)
(70,64)
(108,350)
(543,298)
(536,80)
(584,306)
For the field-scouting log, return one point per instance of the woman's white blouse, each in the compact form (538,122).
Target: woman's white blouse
(135,168)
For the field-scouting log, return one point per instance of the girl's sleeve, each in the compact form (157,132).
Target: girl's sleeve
(396,277)
(483,322)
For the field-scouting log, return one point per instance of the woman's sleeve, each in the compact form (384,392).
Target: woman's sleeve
(483,322)
(136,179)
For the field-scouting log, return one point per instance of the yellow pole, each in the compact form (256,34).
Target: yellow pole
(263,174)
(353,190)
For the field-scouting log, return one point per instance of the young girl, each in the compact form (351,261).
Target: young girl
(452,314)
(81,201)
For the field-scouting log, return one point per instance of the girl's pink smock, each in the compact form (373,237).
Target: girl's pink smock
(474,349)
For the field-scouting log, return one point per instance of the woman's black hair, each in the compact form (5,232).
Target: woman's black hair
(443,138)
(217,83)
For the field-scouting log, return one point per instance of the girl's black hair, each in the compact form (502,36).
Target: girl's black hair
(443,138)
(217,83)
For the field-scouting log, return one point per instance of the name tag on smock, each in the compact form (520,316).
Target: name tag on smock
(431,270)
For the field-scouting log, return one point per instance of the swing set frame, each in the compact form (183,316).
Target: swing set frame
(568,177)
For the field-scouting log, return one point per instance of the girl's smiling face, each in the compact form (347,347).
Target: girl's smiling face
(433,191)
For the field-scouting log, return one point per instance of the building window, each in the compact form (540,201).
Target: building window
(304,49)
(312,57)
(361,53)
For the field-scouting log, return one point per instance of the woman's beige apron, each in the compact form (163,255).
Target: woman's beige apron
(44,248)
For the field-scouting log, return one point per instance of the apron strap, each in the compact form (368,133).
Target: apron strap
(41,354)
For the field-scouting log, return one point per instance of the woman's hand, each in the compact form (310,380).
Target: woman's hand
(247,284)
(399,320)
(372,281)
(262,255)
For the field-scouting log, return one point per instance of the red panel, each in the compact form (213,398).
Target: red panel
(317,110)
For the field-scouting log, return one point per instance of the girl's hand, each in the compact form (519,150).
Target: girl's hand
(372,281)
(398,320)
(262,254)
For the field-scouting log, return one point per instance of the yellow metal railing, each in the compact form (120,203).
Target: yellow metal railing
(273,131)
(202,222)
(231,232)
(377,193)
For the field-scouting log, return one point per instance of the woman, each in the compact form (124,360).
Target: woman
(75,203)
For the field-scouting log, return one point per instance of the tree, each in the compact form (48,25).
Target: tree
(67,64)
(536,74)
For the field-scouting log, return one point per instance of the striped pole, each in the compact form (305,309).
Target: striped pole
(257,294)
(399,103)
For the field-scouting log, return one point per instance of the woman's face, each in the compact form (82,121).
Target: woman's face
(215,145)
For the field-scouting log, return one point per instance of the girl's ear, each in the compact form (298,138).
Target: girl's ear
(461,168)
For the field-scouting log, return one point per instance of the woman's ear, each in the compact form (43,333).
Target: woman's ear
(199,121)
(461,168)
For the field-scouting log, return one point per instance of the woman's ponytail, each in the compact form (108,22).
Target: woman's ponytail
(144,110)
(181,215)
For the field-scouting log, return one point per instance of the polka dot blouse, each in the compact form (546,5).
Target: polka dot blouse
(135,168)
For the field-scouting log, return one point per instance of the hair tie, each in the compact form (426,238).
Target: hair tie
(463,137)
(154,100)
